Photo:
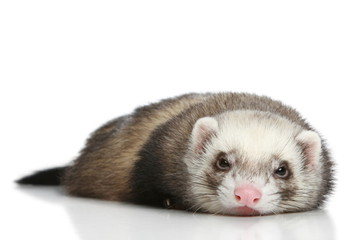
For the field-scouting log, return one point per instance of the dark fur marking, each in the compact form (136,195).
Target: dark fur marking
(213,180)
(46,177)
(156,176)
(289,174)
(148,186)
(220,156)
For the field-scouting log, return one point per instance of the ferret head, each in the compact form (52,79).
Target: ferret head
(254,163)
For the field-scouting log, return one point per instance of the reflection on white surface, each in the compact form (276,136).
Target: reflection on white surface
(95,219)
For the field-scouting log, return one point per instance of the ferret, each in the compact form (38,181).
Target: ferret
(219,153)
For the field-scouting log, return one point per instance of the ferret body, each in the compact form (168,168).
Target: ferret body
(225,153)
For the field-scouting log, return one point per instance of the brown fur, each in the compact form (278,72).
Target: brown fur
(103,168)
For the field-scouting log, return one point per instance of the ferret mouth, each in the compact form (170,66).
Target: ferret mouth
(246,211)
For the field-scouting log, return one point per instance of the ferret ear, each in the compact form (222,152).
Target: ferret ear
(311,143)
(203,129)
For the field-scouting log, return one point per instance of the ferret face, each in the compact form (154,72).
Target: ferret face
(253,163)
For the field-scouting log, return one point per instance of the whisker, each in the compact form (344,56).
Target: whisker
(287,142)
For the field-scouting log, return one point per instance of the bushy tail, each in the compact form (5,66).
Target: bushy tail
(45,177)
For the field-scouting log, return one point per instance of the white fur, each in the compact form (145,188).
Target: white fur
(257,134)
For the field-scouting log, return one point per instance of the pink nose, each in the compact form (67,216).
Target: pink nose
(247,195)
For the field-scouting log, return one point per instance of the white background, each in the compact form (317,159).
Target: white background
(67,67)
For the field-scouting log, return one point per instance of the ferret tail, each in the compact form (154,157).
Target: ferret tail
(48,177)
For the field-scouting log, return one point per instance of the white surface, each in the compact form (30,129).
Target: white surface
(66,67)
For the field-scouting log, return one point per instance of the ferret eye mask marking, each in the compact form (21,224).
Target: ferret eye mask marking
(222,162)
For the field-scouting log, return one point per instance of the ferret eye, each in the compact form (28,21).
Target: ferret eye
(222,163)
(282,172)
